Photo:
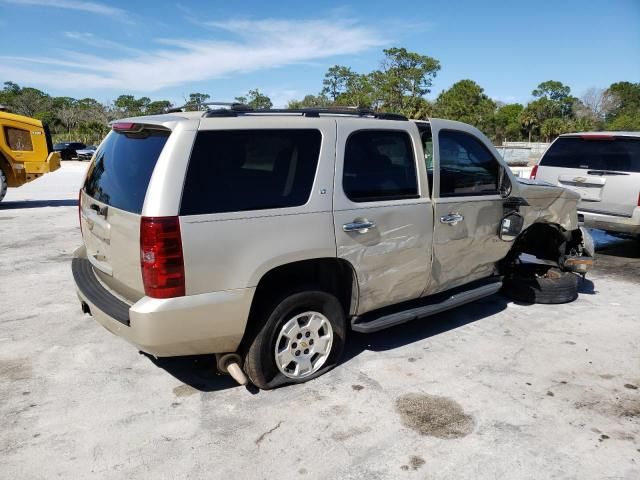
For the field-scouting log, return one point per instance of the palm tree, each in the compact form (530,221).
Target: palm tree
(529,121)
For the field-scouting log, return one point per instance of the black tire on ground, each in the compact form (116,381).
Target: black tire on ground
(259,357)
(540,284)
(3,185)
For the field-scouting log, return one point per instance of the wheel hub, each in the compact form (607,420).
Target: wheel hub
(303,344)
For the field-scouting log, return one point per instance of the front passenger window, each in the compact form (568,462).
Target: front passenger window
(467,167)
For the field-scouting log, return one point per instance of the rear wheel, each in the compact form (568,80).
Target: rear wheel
(300,337)
(3,185)
(540,284)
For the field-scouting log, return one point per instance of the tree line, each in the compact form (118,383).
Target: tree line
(400,85)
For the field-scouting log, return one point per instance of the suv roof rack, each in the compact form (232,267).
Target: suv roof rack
(231,109)
(314,112)
(233,105)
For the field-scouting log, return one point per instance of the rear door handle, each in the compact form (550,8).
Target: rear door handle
(451,219)
(360,226)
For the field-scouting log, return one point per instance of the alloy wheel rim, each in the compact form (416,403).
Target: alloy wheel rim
(303,344)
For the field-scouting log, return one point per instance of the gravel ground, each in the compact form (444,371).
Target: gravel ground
(489,390)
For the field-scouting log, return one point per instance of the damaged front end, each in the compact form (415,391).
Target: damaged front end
(550,244)
(544,228)
(581,253)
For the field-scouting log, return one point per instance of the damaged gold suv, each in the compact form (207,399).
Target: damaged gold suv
(265,236)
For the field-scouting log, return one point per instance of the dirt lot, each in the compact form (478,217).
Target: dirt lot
(490,390)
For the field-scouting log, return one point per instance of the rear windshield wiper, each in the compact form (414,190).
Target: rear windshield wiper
(605,172)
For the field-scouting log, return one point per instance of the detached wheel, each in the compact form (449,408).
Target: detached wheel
(299,339)
(3,185)
(540,284)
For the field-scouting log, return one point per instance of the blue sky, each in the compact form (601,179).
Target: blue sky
(165,50)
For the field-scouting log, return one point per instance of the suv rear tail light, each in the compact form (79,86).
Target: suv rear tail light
(534,172)
(161,257)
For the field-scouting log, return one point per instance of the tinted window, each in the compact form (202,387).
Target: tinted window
(239,170)
(427,146)
(120,173)
(18,139)
(379,165)
(467,167)
(597,154)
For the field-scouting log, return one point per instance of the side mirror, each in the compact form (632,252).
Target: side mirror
(510,227)
(504,183)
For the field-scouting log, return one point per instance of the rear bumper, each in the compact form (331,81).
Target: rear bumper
(613,223)
(190,325)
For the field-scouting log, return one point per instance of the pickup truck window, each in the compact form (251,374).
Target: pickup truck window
(379,165)
(467,167)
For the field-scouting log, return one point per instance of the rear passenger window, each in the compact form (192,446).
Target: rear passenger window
(240,170)
(379,165)
(467,167)
(18,140)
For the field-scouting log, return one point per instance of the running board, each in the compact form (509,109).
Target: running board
(391,316)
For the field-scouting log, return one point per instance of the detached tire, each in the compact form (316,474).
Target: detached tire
(540,284)
(299,338)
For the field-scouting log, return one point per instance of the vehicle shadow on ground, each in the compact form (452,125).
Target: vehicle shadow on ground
(197,371)
(586,287)
(18,204)
(423,328)
(200,373)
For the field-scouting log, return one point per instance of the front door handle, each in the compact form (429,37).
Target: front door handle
(451,219)
(360,226)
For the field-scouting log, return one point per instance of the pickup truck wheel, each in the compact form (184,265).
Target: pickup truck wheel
(3,185)
(301,338)
(540,284)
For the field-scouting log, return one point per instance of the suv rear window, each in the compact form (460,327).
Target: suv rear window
(616,153)
(123,165)
(239,170)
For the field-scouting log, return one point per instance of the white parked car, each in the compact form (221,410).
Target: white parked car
(604,168)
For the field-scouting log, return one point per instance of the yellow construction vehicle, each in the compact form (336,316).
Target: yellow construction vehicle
(26,150)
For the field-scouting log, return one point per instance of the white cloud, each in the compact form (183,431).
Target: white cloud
(83,6)
(280,98)
(256,45)
(91,40)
